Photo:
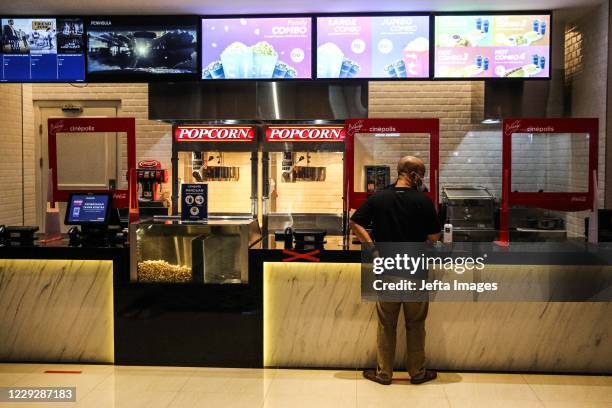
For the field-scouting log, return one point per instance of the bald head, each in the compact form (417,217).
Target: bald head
(409,164)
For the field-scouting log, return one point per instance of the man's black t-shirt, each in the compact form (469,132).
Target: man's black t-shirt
(399,214)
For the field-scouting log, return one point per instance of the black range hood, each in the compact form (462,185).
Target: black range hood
(524,99)
(258,100)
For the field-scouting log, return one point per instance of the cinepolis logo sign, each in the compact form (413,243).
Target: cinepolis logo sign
(306,134)
(214,133)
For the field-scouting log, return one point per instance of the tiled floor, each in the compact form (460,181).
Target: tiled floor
(155,387)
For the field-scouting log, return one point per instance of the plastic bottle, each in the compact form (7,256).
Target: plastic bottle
(447,237)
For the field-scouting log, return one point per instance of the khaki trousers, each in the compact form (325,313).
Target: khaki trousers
(414,317)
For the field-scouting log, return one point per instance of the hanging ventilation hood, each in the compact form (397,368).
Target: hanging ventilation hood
(258,100)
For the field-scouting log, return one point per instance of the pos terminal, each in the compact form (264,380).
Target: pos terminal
(92,213)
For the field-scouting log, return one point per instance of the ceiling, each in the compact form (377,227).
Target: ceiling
(101,7)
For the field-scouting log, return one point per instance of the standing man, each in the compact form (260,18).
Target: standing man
(10,36)
(400,214)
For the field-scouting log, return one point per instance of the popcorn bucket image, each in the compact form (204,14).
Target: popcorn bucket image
(237,61)
(329,60)
(264,60)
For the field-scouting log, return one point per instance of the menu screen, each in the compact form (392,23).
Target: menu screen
(88,208)
(373,47)
(492,46)
(142,47)
(257,48)
(42,50)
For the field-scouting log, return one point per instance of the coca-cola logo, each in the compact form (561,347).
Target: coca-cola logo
(203,133)
(301,134)
(149,164)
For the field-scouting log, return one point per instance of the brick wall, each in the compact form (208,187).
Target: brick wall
(586,62)
(11,210)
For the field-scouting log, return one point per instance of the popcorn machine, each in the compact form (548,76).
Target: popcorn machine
(222,156)
(303,180)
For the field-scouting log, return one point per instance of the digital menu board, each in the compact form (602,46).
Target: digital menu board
(42,50)
(257,48)
(373,47)
(142,47)
(492,46)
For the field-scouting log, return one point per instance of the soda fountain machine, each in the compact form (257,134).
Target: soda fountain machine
(150,176)
(303,173)
(223,156)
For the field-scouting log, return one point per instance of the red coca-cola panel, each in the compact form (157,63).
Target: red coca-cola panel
(93,125)
(430,127)
(305,134)
(559,201)
(197,133)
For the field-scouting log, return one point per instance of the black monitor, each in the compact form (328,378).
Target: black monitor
(88,209)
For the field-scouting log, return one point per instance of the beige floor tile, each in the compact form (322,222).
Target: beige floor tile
(492,403)
(400,390)
(551,379)
(340,388)
(489,390)
(283,373)
(308,401)
(573,393)
(216,400)
(569,404)
(411,402)
(127,399)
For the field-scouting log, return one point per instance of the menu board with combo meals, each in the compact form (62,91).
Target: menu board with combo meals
(257,48)
(373,47)
(42,50)
(492,46)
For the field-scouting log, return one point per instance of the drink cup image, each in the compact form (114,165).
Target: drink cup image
(390,70)
(345,69)
(479,61)
(237,60)
(485,64)
(536,25)
(216,70)
(543,27)
(400,68)
(485,26)
(329,60)
(291,73)
(535,59)
(355,68)
(479,23)
(542,62)
(280,70)
(206,74)
(264,60)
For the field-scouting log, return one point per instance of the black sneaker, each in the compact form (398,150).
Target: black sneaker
(428,376)
(371,375)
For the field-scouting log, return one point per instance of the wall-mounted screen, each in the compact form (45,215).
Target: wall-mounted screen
(492,46)
(257,48)
(142,47)
(42,50)
(373,47)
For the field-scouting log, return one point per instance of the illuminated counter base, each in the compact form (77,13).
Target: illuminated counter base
(56,310)
(313,317)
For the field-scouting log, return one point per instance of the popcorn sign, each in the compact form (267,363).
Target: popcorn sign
(305,134)
(214,134)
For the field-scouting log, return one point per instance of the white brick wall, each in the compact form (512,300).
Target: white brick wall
(10,153)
